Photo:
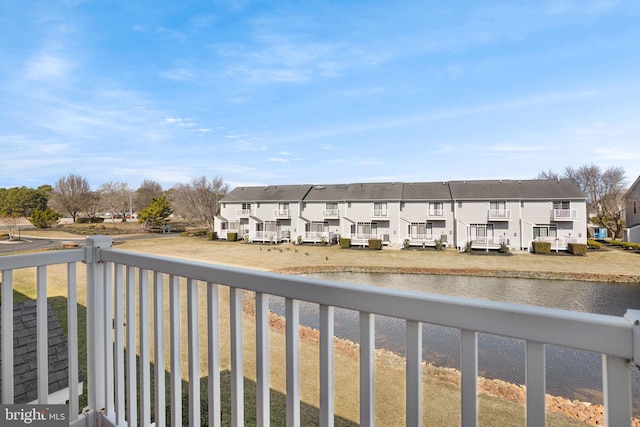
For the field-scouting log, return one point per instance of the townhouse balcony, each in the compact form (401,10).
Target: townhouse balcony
(379,214)
(499,214)
(317,236)
(557,243)
(488,242)
(271,236)
(183,334)
(281,213)
(564,214)
(436,214)
(331,214)
(243,213)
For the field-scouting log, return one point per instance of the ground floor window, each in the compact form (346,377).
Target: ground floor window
(365,229)
(422,229)
(549,230)
(481,232)
(316,226)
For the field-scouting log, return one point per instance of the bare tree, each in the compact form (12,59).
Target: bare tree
(71,195)
(115,197)
(548,174)
(144,195)
(92,204)
(11,221)
(605,191)
(200,199)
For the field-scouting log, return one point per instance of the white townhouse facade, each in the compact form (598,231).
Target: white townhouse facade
(632,213)
(490,213)
(262,214)
(484,214)
(426,214)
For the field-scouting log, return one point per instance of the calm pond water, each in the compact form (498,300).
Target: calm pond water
(570,373)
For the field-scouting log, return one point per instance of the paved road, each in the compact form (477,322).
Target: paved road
(30,243)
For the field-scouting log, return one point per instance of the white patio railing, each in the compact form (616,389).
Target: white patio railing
(499,214)
(564,214)
(121,285)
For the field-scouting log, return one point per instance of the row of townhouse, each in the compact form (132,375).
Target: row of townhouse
(632,213)
(486,213)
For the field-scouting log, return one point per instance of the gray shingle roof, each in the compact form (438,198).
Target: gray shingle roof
(374,191)
(286,193)
(393,191)
(426,191)
(25,350)
(327,193)
(353,192)
(516,190)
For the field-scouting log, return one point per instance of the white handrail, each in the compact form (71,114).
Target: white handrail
(618,337)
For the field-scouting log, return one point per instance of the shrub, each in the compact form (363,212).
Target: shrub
(406,244)
(468,248)
(44,218)
(211,235)
(504,248)
(541,247)
(592,244)
(299,240)
(91,220)
(630,245)
(438,244)
(4,236)
(323,240)
(345,242)
(232,236)
(577,248)
(375,244)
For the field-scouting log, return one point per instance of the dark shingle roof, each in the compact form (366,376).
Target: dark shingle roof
(25,350)
(286,193)
(393,191)
(374,191)
(327,193)
(515,190)
(426,191)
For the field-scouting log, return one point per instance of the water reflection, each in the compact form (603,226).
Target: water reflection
(570,373)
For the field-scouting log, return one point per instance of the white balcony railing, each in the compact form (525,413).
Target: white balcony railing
(436,214)
(282,213)
(421,237)
(379,213)
(243,213)
(499,214)
(121,286)
(331,213)
(564,214)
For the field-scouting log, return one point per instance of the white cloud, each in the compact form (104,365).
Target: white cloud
(178,74)
(47,66)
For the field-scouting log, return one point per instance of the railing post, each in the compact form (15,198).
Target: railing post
(96,327)
(633,316)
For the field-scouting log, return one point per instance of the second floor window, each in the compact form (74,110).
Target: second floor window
(436,208)
(380,208)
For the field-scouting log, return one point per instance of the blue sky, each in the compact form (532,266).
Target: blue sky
(316,92)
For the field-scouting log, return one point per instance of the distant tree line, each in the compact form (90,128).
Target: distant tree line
(72,196)
(605,190)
